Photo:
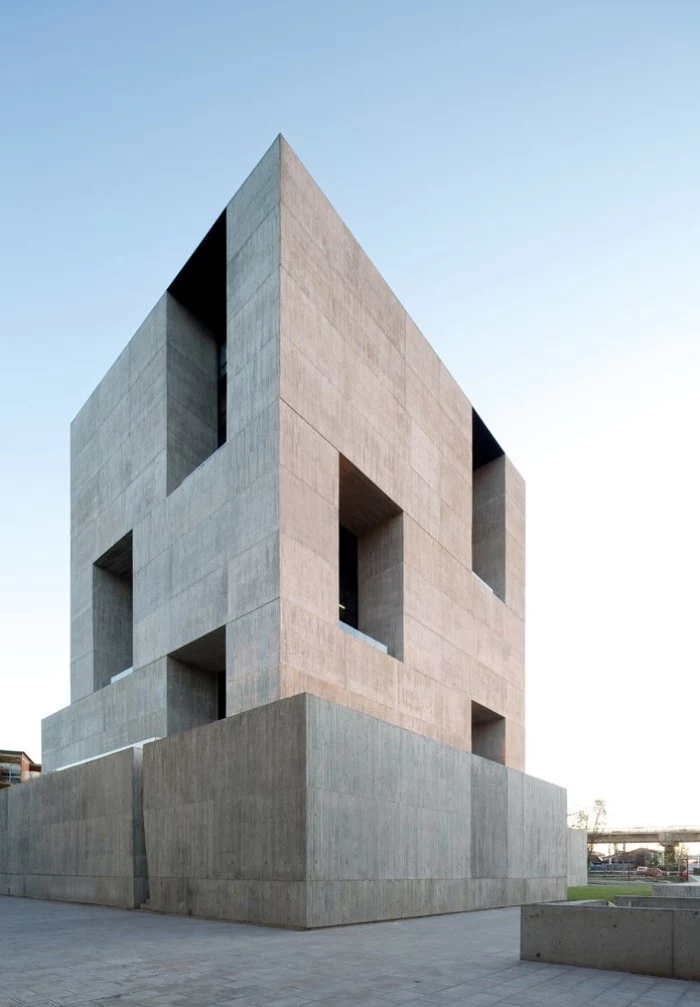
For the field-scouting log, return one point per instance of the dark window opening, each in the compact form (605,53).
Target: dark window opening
(222,394)
(370,569)
(197,682)
(113,612)
(488,734)
(348,577)
(488,508)
(220,695)
(196,358)
(485,447)
(200,286)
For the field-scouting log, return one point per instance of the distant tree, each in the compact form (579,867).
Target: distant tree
(591,819)
(682,851)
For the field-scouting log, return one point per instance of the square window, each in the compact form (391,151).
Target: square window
(488,734)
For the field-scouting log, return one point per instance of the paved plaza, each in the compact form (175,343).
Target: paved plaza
(74,956)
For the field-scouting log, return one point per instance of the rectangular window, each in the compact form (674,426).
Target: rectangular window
(10,774)
(348,577)
(197,682)
(488,734)
(222,394)
(488,508)
(112,612)
(370,556)
(196,370)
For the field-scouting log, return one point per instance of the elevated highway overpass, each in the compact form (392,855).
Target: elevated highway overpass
(666,836)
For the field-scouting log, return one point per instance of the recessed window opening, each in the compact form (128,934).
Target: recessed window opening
(488,734)
(197,682)
(222,393)
(348,577)
(197,362)
(370,561)
(488,508)
(112,612)
(200,286)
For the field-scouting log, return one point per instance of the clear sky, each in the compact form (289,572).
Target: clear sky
(524,173)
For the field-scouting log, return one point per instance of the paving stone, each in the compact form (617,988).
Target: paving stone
(87,956)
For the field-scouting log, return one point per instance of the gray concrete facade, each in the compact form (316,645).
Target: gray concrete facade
(647,940)
(577,857)
(144,462)
(319,815)
(77,836)
(337,409)
(306,761)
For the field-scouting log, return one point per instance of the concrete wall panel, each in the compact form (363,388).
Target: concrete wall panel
(144,459)
(489,818)
(598,937)
(77,835)
(649,941)
(305,813)
(384,803)
(117,472)
(322,360)
(577,857)
(131,710)
(397,821)
(544,829)
(357,372)
(224,812)
(686,941)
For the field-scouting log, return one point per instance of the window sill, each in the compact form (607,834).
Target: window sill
(363,636)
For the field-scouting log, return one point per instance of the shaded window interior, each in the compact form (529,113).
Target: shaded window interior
(370,554)
(488,508)
(221,394)
(197,361)
(196,689)
(113,612)
(348,577)
(488,734)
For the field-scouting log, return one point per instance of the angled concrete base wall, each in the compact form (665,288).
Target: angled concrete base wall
(225,817)
(304,813)
(77,836)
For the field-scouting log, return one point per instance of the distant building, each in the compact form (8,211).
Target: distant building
(16,767)
(641,856)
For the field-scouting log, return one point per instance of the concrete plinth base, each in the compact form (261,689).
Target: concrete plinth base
(302,813)
(77,836)
(307,814)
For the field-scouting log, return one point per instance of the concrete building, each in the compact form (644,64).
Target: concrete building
(298,579)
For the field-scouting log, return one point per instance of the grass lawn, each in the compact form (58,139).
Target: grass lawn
(607,891)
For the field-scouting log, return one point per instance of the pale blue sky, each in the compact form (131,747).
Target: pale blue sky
(524,174)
